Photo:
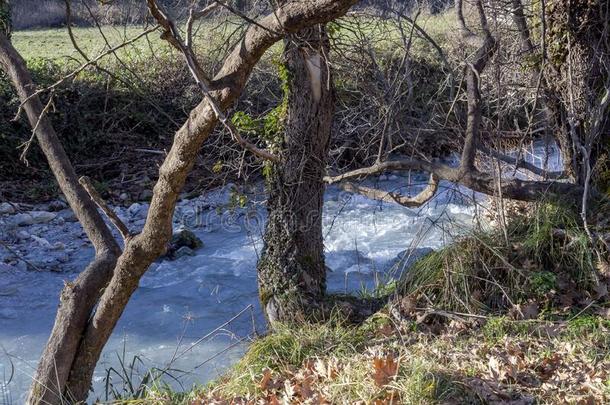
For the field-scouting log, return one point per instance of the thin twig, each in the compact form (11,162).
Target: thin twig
(85,65)
(112,216)
(13,251)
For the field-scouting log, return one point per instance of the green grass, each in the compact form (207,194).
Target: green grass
(465,363)
(546,255)
(331,352)
(55,43)
(385,35)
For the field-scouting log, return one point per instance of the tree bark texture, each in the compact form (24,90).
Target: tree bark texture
(291,272)
(578,54)
(93,303)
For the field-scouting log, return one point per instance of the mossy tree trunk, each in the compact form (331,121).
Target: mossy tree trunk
(5,18)
(291,272)
(578,54)
(92,304)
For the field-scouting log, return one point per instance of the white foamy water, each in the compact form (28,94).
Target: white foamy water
(180,301)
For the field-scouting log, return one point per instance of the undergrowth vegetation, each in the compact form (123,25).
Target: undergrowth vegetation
(542,259)
(503,316)
(385,361)
(130,115)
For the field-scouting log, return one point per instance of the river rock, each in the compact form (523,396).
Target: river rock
(21,219)
(183,238)
(22,235)
(67,215)
(124,197)
(57,205)
(41,241)
(6,208)
(405,259)
(42,217)
(134,208)
(138,210)
(183,251)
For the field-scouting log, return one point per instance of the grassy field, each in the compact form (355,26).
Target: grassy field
(55,43)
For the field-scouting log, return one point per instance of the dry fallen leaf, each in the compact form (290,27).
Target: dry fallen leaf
(264,383)
(496,370)
(385,370)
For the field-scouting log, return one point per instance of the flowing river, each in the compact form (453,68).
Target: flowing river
(176,320)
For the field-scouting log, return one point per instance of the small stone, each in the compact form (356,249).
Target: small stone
(42,217)
(6,208)
(22,219)
(145,195)
(183,251)
(139,224)
(138,213)
(59,246)
(57,205)
(22,235)
(134,209)
(59,220)
(41,241)
(184,237)
(124,197)
(67,215)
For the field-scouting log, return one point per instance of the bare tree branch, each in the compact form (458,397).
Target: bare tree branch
(481,182)
(172,35)
(521,163)
(387,196)
(112,216)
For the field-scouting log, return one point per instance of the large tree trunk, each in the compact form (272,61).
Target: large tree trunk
(6,24)
(82,328)
(578,75)
(291,272)
(79,297)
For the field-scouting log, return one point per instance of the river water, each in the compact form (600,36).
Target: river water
(179,302)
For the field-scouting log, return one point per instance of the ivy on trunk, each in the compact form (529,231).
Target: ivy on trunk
(292,273)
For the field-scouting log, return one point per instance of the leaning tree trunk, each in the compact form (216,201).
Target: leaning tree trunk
(84,323)
(79,297)
(291,271)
